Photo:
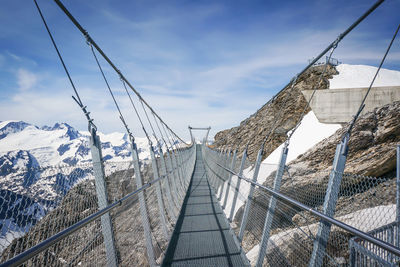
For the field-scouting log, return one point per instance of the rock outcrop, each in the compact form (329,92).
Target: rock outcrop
(368,182)
(287,107)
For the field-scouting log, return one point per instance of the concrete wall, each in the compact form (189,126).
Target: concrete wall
(340,105)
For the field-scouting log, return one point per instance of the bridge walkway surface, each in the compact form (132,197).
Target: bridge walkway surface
(202,235)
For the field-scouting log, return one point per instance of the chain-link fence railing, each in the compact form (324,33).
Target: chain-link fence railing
(366,203)
(29,194)
(71,202)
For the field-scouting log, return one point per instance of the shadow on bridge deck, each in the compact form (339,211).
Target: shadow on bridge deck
(202,235)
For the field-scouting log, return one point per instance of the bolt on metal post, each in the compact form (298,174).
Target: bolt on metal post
(250,197)
(99,175)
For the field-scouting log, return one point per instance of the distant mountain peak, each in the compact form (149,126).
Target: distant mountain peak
(10,127)
(71,133)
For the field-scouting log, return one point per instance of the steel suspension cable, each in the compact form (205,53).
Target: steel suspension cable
(76,97)
(136,111)
(362,105)
(335,42)
(176,142)
(109,89)
(312,95)
(332,45)
(279,115)
(101,52)
(147,116)
(166,134)
(159,129)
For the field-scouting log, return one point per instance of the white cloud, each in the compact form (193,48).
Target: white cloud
(26,79)
(14,56)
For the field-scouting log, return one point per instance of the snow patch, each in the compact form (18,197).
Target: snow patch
(355,76)
(360,219)
(309,133)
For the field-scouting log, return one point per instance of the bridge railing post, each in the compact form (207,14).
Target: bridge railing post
(175,193)
(164,171)
(142,204)
(332,192)
(237,188)
(271,208)
(228,187)
(193,160)
(191,163)
(185,161)
(187,158)
(171,179)
(397,243)
(250,196)
(159,196)
(218,170)
(184,167)
(178,183)
(181,165)
(223,172)
(102,199)
(211,164)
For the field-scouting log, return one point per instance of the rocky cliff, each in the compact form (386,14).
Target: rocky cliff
(289,104)
(367,193)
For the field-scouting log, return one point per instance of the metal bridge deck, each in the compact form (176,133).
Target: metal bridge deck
(202,235)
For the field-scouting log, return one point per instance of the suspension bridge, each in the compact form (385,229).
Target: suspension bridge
(195,205)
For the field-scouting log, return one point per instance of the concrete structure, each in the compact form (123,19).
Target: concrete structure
(340,105)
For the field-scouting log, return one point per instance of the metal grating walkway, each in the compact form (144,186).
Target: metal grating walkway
(202,235)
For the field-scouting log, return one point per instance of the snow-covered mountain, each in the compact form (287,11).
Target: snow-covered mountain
(62,144)
(38,165)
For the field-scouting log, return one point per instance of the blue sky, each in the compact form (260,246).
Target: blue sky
(199,63)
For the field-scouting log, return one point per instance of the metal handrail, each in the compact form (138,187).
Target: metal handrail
(35,250)
(352,230)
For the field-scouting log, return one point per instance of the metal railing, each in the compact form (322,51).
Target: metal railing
(73,231)
(330,61)
(365,253)
(281,209)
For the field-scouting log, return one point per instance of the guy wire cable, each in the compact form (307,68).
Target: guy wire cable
(362,105)
(101,52)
